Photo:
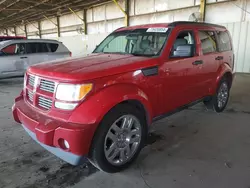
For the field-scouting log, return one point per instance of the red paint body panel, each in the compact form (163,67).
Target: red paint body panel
(48,130)
(3,38)
(91,67)
(118,78)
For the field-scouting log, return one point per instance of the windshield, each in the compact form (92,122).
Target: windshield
(141,42)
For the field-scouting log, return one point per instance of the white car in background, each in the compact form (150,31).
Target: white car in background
(17,55)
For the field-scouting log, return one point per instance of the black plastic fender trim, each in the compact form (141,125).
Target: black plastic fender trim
(150,71)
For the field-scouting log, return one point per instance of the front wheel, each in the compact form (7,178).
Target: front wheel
(219,101)
(119,139)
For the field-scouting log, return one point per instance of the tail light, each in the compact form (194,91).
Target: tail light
(70,54)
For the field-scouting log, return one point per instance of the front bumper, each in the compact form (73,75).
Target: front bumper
(66,156)
(49,132)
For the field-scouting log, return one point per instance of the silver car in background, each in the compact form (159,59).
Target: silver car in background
(17,55)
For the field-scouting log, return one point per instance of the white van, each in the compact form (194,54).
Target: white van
(17,55)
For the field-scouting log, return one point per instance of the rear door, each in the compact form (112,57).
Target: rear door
(13,60)
(209,53)
(225,48)
(38,52)
(58,51)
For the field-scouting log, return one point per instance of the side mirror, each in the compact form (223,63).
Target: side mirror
(186,50)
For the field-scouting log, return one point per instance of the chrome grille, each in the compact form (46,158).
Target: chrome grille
(48,86)
(44,102)
(31,80)
(35,95)
(30,96)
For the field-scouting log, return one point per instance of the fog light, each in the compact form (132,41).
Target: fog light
(65,106)
(66,144)
(63,144)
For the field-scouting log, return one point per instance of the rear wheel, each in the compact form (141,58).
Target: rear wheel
(219,101)
(119,139)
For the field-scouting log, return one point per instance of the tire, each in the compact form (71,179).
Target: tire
(219,101)
(111,138)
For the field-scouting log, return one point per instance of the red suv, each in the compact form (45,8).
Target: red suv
(4,38)
(100,107)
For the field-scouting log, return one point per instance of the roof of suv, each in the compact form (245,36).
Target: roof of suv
(32,40)
(173,24)
(13,37)
(8,42)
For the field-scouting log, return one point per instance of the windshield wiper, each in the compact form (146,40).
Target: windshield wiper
(114,53)
(134,54)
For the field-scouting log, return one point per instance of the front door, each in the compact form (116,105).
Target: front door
(38,52)
(13,60)
(181,74)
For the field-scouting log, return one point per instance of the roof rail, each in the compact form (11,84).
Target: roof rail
(174,24)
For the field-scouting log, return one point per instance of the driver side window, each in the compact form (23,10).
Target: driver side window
(14,49)
(184,42)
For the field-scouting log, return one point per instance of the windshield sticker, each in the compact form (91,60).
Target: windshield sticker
(157,30)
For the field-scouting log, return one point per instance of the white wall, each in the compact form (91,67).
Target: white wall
(239,32)
(81,45)
(102,20)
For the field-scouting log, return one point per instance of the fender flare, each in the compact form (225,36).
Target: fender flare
(95,107)
(222,71)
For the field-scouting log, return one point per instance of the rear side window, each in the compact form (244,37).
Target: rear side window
(53,47)
(42,48)
(208,41)
(37,48)
(224,41)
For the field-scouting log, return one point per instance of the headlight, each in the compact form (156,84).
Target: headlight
(70,92)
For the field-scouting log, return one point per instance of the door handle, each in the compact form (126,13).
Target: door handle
(198,62)
(219,58)
(23,57)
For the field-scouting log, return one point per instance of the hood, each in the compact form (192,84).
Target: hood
(91,67)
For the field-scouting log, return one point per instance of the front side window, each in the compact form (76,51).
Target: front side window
(184,43)
(14,49)
(141,42)
(224,41)
(208,41)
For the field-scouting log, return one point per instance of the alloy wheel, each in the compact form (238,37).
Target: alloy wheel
(122,140)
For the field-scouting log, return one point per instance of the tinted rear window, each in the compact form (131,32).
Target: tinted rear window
(37,48)
(224,41)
